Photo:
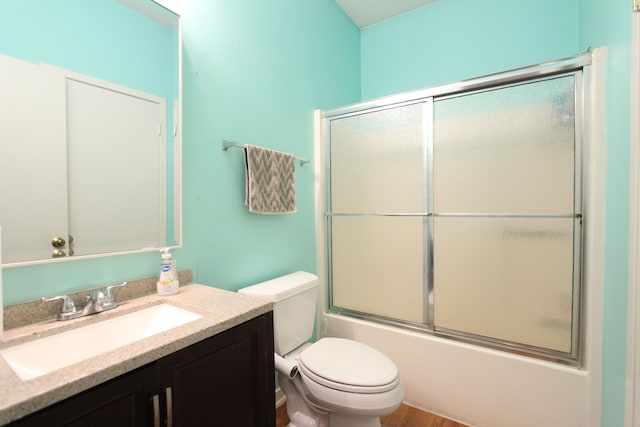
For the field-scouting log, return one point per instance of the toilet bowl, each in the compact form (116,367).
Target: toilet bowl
(336,382)
(340,383)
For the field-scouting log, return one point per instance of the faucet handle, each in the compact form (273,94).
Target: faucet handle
(68,305)
(107,291)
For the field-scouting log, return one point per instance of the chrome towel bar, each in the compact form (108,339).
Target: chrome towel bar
(227,144)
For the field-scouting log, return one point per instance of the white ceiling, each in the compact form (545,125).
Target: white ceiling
(369,12)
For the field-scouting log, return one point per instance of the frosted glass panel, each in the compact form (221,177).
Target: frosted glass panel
(377,162)
(507,150)
(509,279)
(377,266)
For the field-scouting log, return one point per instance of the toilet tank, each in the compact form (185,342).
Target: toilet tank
(294,299)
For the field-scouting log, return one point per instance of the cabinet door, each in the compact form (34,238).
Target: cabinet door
(124,401)
(227,380)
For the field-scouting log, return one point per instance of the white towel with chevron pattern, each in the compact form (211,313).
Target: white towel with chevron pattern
(270,181)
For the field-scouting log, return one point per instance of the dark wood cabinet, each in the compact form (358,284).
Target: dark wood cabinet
(226,380)
(119,402)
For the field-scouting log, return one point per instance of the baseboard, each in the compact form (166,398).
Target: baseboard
(280,397)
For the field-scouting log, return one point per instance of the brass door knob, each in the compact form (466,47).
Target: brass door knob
(58,242)
(58,253)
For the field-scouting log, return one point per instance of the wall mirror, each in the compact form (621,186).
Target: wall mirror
(90,152)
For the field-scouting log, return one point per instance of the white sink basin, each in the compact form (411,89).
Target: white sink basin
(44,355)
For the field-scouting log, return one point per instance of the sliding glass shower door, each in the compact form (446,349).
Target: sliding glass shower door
(378,200)
(505,213)
(460,214)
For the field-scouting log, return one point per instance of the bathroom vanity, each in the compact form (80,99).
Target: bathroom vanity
(216,370)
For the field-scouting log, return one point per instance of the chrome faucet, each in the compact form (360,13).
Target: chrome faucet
(98,301)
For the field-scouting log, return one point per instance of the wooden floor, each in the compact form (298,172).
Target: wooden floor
(404,416)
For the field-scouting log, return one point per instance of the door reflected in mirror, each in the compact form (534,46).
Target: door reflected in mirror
(90,158)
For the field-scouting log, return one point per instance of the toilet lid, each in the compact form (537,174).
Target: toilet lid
(348,365)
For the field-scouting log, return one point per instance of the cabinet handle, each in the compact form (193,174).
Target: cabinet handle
(156,410)
(167,392)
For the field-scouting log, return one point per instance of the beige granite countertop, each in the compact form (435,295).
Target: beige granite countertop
(220,310)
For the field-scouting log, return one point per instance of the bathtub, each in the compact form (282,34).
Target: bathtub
(475,385)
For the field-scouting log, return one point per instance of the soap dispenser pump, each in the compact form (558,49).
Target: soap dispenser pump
(168,280)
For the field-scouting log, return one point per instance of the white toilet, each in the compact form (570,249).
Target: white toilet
(333,382)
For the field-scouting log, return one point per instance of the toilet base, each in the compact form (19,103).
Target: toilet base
(340,420)
(301,415)
(299,419)
(302,420)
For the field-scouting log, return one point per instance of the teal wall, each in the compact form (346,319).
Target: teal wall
(457,39)
(253,72)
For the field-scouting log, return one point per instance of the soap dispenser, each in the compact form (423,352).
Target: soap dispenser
(168,280)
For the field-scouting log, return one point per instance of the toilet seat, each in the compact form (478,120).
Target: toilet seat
(348,366)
